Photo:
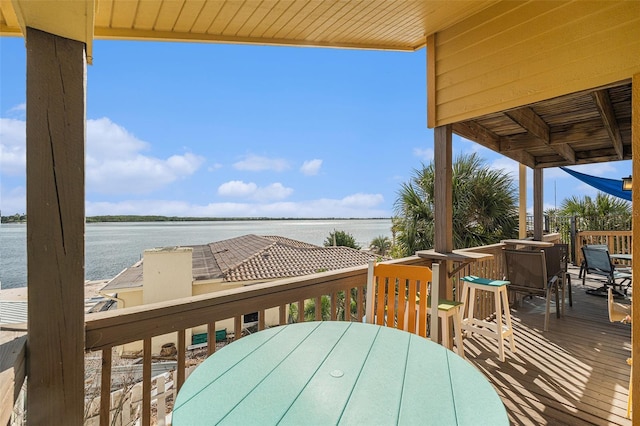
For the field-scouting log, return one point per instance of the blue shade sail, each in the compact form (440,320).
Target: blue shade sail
(610,186)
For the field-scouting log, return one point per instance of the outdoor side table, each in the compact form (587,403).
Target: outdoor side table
(337,373)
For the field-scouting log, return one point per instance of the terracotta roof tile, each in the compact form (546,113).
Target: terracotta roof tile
(256,258)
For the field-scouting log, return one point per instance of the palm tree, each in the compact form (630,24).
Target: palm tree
(341,239)
(380,245)
(484,206)
(605,212)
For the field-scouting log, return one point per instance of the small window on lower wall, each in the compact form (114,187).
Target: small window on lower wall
(252,317)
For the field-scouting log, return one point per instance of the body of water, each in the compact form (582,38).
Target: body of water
(112,247)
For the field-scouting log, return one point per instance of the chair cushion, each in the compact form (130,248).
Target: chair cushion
(484,281)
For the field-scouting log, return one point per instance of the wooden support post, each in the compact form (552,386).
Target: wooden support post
(538,204)
(55,231)
(443,201)
(522,209)
(435,266)
(635,241)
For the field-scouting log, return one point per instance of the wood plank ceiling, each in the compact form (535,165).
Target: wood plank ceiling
(370,24)
(580,128)
(593,126)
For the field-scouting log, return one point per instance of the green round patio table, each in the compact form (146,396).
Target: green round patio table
(336,372)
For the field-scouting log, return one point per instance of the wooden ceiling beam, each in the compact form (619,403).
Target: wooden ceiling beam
(539,132)
(519,142)
(477,133)
(531,122)
(605,107)
(522,157)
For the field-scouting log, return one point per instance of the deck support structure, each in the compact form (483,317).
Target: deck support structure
(538,204)
(443,202)
(522,205)
(56,75)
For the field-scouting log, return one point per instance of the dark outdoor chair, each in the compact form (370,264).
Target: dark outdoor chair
(557,257)
(583,264)
(527,272)
(598,262)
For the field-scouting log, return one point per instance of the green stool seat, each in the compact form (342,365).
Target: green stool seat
(484,281)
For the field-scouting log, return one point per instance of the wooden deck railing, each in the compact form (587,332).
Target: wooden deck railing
(617,241)
(106,330)
(345,289)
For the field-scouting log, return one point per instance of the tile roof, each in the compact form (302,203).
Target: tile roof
(255,258)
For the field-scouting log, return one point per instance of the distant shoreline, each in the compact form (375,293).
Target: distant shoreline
(152,218)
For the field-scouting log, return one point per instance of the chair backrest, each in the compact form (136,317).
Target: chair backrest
(555,260)
(393,295)
(597,257)
(526,269)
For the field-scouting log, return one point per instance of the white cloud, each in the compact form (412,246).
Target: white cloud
(237,188)
(425,155)
(255,163)
(311,167)
(357,205)
(12,147)
(214,167)
(240,189)
(115,164)
(362,200)
(19,108)
(275,191)
(508,166)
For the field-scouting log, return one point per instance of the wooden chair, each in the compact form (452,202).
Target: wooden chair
(527,272)
(394,293)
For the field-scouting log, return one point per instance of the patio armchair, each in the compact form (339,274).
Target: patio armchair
(527,272)
(597,261)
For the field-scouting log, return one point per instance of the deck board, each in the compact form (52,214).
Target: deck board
(573,374)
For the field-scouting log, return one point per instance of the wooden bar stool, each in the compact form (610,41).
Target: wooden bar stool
(496,330)
(448,309)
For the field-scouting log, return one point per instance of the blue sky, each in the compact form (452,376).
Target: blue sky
(246,131)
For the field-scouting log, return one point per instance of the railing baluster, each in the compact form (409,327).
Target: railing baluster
(318,308)
(182,352)
(211,338)
(105,387)
(360,302)
(146,383)
(347,304)
(237,327)
(334,306)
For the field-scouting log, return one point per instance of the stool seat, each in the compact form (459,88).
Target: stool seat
(484,281)
(471,324)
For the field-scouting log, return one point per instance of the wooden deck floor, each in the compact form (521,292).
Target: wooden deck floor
(574,374)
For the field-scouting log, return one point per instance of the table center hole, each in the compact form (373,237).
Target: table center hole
(337,373)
